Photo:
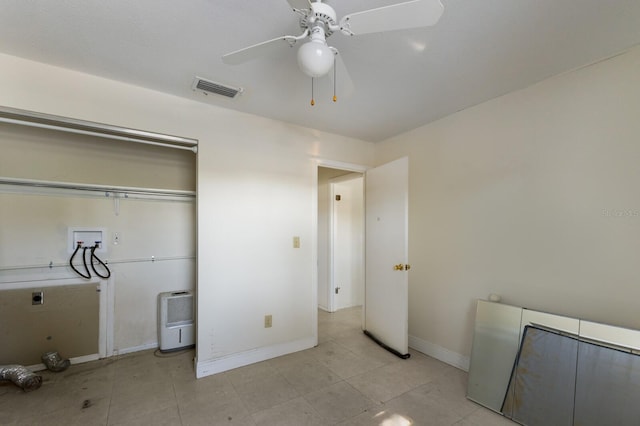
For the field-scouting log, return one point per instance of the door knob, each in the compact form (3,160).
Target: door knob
(401,267)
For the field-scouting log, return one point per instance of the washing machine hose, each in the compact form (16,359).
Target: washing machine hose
(88,274)
(93,256)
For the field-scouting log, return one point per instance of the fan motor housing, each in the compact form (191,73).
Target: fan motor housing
(320,12)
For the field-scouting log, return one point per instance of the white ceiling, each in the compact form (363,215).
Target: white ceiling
(479,50)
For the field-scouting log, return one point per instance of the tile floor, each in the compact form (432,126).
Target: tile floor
(346,380)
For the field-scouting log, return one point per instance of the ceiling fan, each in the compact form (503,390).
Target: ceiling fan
(319,21)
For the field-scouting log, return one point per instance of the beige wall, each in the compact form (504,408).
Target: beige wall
(256,186)
(533,196)
(34,223)
(348,256)
(29,331)
(64,157)
(257,189)
(324,206)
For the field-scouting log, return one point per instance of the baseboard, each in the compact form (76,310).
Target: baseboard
(76,360)
(439,353)
(94,357)
(144,347)
(215,366)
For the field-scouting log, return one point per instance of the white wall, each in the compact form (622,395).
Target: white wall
(256,190)
(534,196)
(34,223)
(348,224)
(34,232)
(324,209)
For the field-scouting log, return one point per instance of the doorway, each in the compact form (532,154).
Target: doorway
(340,239)
(386,221)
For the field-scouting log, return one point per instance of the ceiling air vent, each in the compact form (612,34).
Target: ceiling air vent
(208,86)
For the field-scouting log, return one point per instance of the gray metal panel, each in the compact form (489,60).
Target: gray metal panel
(543,381)
(495,346)
(607,387)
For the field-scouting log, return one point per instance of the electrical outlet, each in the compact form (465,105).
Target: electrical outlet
(296,242)
(268,321)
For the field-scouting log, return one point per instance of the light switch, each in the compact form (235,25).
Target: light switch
(296,242)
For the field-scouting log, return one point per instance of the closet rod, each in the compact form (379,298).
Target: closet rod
(96,188)
(83,127)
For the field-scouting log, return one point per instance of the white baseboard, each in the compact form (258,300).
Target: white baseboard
(85,358)
(439,353)
(76,360)
(94,357)
(229,362)
(144,347)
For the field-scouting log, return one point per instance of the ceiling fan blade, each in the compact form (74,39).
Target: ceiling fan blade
(401,16)
(258,50)
(299,4)
(341,78)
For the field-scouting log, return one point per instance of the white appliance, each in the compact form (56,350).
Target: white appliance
(176,320)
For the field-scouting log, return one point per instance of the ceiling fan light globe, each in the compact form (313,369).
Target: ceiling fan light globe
(315,59)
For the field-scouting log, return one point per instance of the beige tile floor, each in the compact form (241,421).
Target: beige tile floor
(346,380)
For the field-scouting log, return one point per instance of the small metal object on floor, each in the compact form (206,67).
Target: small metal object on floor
(54,362)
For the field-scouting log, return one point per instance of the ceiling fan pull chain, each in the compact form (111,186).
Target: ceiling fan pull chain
(313,102)
(335,98)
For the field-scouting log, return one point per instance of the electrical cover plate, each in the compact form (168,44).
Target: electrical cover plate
(88,236)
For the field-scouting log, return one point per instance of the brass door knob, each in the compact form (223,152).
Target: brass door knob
(401,267)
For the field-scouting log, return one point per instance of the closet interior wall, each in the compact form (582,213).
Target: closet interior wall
(149,241)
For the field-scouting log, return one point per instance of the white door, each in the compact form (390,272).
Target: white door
(387,255)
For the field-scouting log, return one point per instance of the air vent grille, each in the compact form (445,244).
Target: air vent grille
(207,86)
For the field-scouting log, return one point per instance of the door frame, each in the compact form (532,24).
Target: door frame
(352,168)
(341,165)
